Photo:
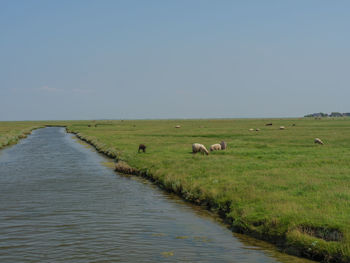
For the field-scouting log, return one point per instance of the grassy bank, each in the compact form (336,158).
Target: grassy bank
(12,132)
(274,184)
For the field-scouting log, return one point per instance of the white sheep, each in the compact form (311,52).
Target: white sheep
(197,147)
(318,140)
(282,127)
(215,147)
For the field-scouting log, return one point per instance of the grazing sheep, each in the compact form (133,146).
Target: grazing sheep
(197,147)
(177,126)
(257,129)
(251,129)
(318,140)
(223,145)
(215,147)
(142,147)
(282,127)
(268,124)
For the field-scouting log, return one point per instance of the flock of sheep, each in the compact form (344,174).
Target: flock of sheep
(269,124)
(317,140)
(197,147)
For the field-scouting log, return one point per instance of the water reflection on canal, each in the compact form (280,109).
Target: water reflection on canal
(58,203)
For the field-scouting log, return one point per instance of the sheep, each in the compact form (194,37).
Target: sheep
(142,147)
(197,147)
(268,124)
(257,129)
(223,145)
(215,147)
(318,140)
(177,126)
(251,129)
(282,127)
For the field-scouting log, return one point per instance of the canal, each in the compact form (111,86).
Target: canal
(61,201)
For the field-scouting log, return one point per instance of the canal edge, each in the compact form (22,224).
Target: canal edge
(294,247)
(22,135)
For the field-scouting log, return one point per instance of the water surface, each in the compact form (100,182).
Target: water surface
(59,203)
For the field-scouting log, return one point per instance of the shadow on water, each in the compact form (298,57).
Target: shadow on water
(62,202)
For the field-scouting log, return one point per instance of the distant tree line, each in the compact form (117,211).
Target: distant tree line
(333,114)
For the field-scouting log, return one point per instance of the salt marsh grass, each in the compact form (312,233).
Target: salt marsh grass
(273,184)
(11,132)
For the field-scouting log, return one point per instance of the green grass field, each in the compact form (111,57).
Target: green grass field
(11,132)
(273,184)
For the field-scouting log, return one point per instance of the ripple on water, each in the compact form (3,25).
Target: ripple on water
(59,204)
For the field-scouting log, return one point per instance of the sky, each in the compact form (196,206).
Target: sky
(82,59)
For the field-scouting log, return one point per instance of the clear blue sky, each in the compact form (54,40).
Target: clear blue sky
(173,59)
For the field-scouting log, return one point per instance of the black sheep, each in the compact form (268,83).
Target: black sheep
(142,147)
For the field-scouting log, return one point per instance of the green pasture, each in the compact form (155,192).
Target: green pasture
(11,132)
(274,184)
